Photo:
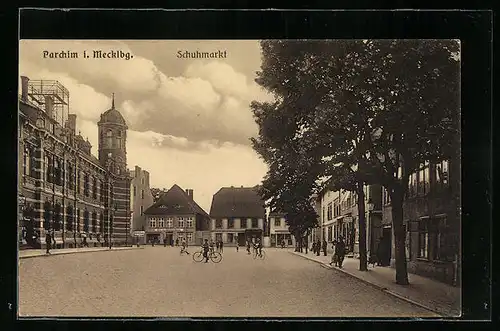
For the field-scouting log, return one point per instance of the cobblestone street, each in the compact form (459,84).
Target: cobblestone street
(158,282)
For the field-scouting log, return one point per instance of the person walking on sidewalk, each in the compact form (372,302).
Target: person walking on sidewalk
(325,244)
(48,242)
(221,246)
(318,248)
(340,251)
(333,261)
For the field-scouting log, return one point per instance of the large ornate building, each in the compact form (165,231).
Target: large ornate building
(63,188)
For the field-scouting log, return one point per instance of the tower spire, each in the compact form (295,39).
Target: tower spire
(113,102)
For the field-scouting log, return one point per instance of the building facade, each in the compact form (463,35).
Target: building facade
(279,231)
(176,216)
(62,187)
(237,215)
(339,217)
(140,198)
(431,214)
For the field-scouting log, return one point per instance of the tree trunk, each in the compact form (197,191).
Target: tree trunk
(306,244)
(399,237)
(363,265)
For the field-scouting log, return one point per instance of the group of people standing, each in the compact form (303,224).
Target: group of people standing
(318,246)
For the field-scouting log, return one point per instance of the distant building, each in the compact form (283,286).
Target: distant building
(140,197)
(279,230)
(176,216)
(237,214)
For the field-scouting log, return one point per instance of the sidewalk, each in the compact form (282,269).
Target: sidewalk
(432,295)
(23,254)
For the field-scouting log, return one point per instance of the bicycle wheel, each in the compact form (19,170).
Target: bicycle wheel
(216,257)
(198,256)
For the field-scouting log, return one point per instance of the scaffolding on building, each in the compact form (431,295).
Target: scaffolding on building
(39,91)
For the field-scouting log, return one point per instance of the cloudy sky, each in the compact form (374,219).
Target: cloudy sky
(189,119)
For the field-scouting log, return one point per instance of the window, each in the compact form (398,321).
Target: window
(152,222)
(49,168)
(142,181)
(189,237)
(27,161)
(94,188)
(161,223)
(442,169)
(423,179)
(169,222)
(180,222)
(57,217)
(277,222)
(94,222)
(101,223)
(142,210)
(109,139)
(135,190)
(71,176)
(189,221)
(46,215)
(330,233)
(218,237)
(86,221)
(230,223)
(423,239)
(86,184)
(78,182)
(142,194)
(255,223)
(243,223)
(69,218)
(218,224)
(329,212)
(386,197)
(230,238)
(412,185)
(323,216)
(58,172)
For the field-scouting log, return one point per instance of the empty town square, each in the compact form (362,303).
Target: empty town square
(159,282)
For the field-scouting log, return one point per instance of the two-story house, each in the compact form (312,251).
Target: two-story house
(237,215)
(176,216)
(279,231)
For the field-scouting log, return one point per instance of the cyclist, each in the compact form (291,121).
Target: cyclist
(258,247)
(184,247)
(206,248)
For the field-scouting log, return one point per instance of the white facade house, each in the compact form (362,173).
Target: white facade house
(279,231)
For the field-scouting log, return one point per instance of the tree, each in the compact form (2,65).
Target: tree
(384,106)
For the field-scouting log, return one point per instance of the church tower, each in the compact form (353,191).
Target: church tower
(112,140)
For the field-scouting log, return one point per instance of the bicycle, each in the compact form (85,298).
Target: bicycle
(216,257)
(261,256)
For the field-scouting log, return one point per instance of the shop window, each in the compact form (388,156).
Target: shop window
(230,237)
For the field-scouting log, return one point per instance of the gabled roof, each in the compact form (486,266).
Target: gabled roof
(175,202)
(237,202)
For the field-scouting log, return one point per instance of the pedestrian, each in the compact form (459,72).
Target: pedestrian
(165,242)
(318,248)
(206,247)
(48,242)
(313,248)
(340,251)
(221,246)
(248,246)
(177,242)
(237,246)
(334,255)
(380,251)
(325,244)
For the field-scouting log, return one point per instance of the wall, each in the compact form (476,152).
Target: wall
(139,184)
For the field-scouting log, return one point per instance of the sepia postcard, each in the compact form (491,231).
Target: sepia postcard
(239,178)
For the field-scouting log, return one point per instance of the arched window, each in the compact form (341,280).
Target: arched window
(94,222)
(71,176)
(86,221)
(69,218)
(119,140)
(109,139)
(77,215)
(101,191)
(32,171)
(58,171)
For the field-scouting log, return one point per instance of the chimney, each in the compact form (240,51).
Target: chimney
(24,88)
(49,105)
(189,192)
(71,123)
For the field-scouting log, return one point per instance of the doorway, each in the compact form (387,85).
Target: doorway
(241,239)
(386,246)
